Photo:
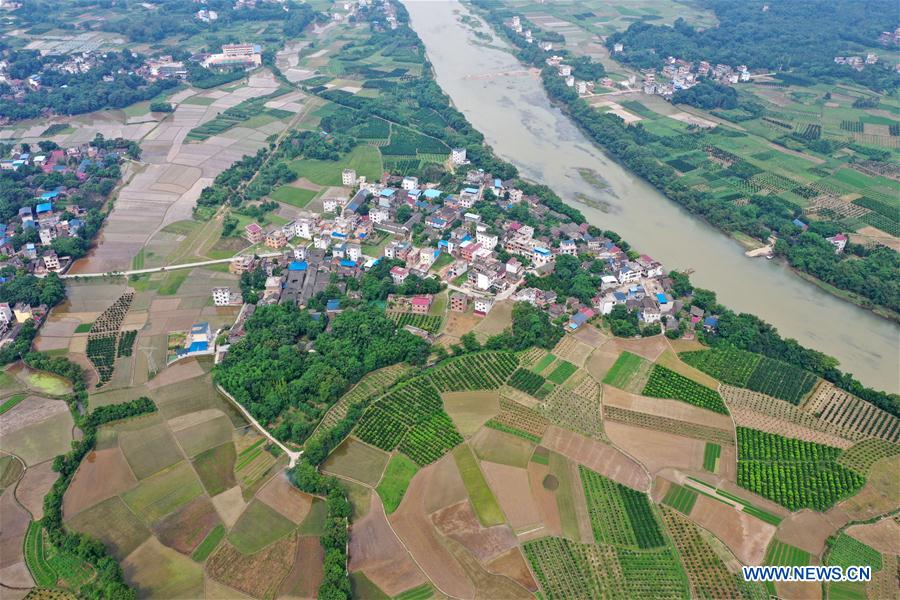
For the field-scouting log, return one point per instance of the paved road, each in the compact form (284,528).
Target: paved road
(191,265)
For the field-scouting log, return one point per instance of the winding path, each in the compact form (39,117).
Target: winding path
(293,455)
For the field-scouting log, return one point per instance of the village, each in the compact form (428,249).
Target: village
(428,234)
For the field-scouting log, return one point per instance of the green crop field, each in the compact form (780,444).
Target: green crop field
(483,501)
(793,473)
(258,526)
(753,371)
(680,498)
(365,159)
(782,554)
(543,363)
(399,472)
(526,380)
(626,367)
(412,418)
(11,402)
(846,551)
(209,543)
(711,455)
(49,565)
(298,197)
(493,424)
(430,323)
(562,372)
(665,383)
(619,514)
(480,371)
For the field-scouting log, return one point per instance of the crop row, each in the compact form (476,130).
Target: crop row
(676,426)
(101,351)
(430,323)
(753,371)
(847,551)
(665,383)
(527,381)
(863,455)
(794,473)
(619,515)
(708,574)
(126,343)
(412,418)
(575,411)
(852,414)
(479,371)
(513,414)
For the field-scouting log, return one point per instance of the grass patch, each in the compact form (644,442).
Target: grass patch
(400,471)
(680,498)
(365,159)
(83,328)
(711,457)
(626,367)
(483,501)
(173,281)
(294,196)
(513,431)
(782,554)
(562,372)
(209,543)
(215,467)
(163,493)
(543,363)
(11,402)
(422,592)
(258,527)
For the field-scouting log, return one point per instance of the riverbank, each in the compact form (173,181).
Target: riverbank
(522,126)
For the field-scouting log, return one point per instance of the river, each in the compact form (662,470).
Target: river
(517,119)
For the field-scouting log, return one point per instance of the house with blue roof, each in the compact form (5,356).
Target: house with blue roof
(44,207)
(661,298)
(50,195)
(432,194)
(333,305)
(387,193)
(298,265)
(710,323)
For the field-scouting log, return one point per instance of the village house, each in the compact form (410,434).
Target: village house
(254,233)
(421,304)
(223,296)
(458,302)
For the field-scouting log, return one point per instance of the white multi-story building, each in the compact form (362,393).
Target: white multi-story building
(348,177)
(223,296)
(485,238)
(6,313)
(304,228)
(458,156)
(410,183)
(379,215)
(51,261)
(354,252)
(482,306)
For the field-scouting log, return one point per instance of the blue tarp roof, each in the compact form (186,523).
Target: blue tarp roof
(431,194)
(387,192)
(200,328)
(347,263)
(471,190)
(498,183)
(661,298)
(333,304)
(198,347)
(45,207)
(297,265)
(711,321)
(49,195)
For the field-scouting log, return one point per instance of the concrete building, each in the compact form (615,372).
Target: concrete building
(421,304)
(458,156)
(348,177)
(254,233)
(6,313)
(223,296)
(458,302)
(51,261)
(482,306)
(410,183)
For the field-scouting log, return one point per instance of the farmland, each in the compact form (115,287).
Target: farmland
(482,371)
(430,323)
(629,372)
(753,371)
(619,515)
(846,551)
(665,383)
(412,418)
(680,498)
(711,455)
(793,473)
(395,481)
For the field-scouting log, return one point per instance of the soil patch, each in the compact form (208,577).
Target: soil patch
(413,526)
(376,551)
(806,530)
(303,581)
(597,456)
(884,535)
(672,409)
(512,564)
(511,488)
(184,529)
(230,504)
(258,575)
(103,474)
(160,572)
(281,495)
(470,410)
(657,450)
(746,536)
(460,523)
(34,486)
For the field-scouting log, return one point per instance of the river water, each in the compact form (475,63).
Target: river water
(510,108)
